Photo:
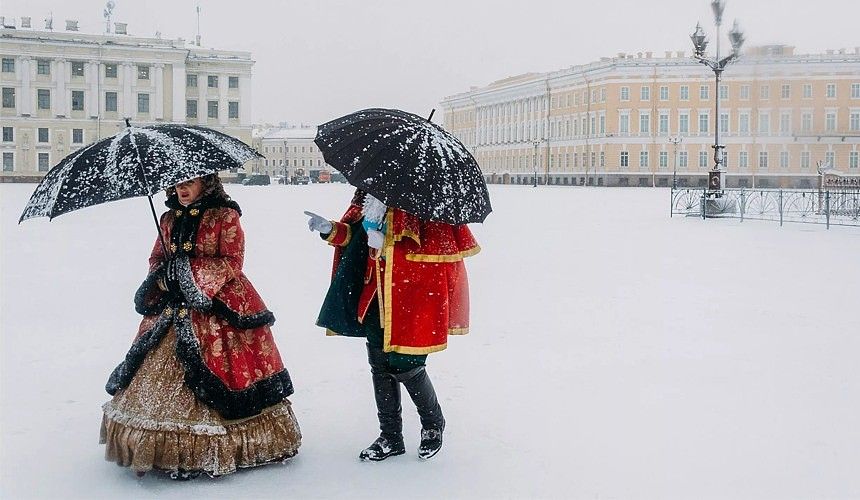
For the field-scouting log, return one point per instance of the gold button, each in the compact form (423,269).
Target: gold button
(187,246)
(173,247)
(183,312)
(168,311)
(179,213)
(194,211)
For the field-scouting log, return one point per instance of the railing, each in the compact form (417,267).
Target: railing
(839,207)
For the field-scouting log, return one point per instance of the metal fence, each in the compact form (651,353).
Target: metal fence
(839,207)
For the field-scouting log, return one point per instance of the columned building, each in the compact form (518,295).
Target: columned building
(62,90)
(288,149)
(610,122)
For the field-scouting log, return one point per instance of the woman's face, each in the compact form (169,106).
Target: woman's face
(189,191)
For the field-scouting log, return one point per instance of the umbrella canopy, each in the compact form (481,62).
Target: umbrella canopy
(139,161)
(408,162)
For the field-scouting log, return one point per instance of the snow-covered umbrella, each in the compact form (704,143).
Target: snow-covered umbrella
(408,162)
(138,161)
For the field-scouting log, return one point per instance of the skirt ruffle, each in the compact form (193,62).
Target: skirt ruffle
(157,423)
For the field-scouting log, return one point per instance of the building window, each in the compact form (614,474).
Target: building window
(762,160)
(855,90)
(8,97)
(643,159)
(743,159)
(645,93)
(8,162)
(664,123)
(8,65)
(232,109)
(191,80)
(625,93)
(684,123)
(43,135)
(43,67)
(191,109)
(8,134)
(43,98)
(853,160)
(682,159)
(685,93)
(44,162)
(143,103)
(806,122)
(703,123)
(77,100)
(785,123)
(745,92)
(212,109)
(703,159)
(704,92)
(625,159)
(143,72)
(664,159)
(830,122)
(212,81)
(830,158)
(724,123)
(764,92)
(664,93)
(830,92)
(110,101)
(77,136)
(77,68)
(785,91)
(644,122)
(233,82)
(854,121)
(110,70)
(624,124)
(724,91)
(763,123)
(807,90)
(783,159)
(744,123)
(804,159)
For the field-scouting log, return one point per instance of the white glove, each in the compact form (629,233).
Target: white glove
(375,239)
(318,223)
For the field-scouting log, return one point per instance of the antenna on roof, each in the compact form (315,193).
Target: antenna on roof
(107,13)
(197,39)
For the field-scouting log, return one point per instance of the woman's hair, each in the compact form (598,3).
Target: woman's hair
(212,187)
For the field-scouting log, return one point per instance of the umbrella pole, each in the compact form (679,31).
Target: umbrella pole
(157,226)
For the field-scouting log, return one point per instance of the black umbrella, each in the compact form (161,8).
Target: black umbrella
(139,161)
(407,162)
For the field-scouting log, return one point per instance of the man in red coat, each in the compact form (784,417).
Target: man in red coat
(401,283)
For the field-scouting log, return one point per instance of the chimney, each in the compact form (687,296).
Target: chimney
(25,22)
(120,28)
(71,25)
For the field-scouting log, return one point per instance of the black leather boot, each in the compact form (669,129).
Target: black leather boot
(386,390)
(432,422)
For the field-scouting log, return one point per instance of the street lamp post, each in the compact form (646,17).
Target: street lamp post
(536,144)
(675,140)
(717,65)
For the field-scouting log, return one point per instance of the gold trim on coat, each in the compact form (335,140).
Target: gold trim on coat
(456,257)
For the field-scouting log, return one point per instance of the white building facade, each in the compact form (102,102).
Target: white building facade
(62,90)
(287,149)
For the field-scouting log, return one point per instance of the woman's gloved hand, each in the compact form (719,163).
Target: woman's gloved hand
(318,223)
(375,239)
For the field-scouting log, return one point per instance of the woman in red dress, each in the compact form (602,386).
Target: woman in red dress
(203,387)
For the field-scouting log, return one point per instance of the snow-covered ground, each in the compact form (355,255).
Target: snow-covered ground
(614,353)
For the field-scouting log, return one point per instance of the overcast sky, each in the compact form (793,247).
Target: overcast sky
(319,59)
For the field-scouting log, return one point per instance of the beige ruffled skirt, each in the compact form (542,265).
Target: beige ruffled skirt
(158,423)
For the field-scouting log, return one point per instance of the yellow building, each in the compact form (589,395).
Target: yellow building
(610,122)
(64,89)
